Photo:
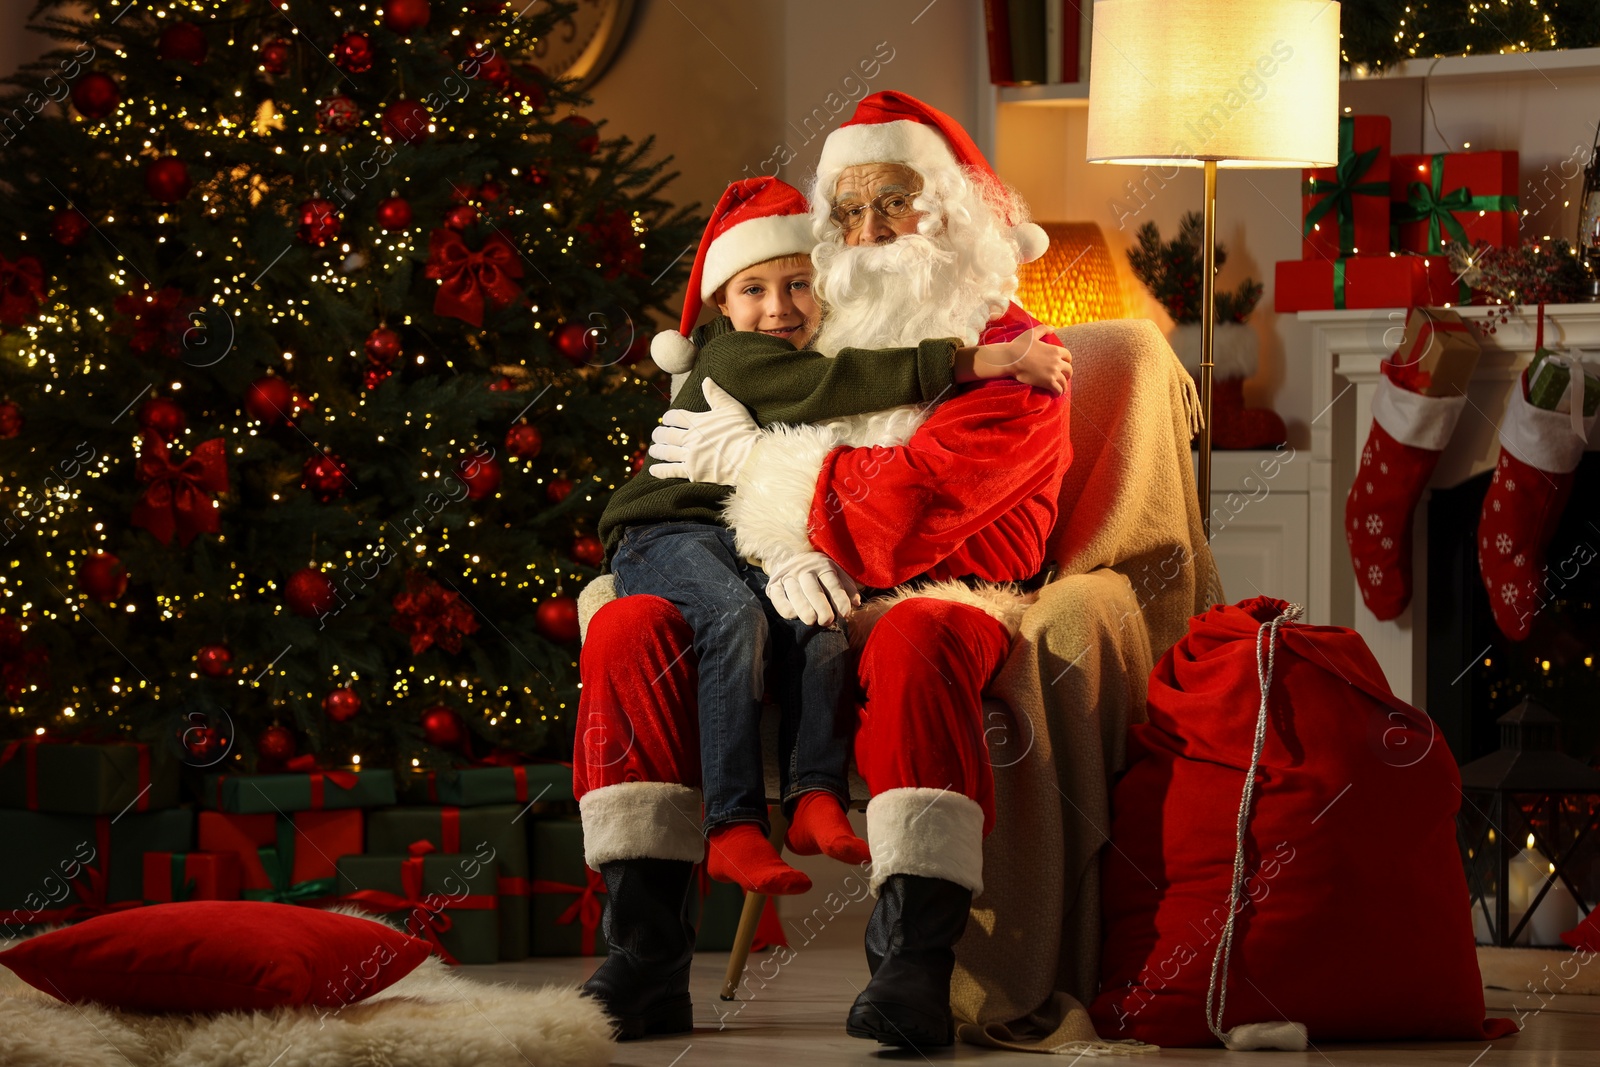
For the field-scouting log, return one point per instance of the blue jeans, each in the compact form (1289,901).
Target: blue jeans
(736,633)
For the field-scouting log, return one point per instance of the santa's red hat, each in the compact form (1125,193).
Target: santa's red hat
(757,219)
(891,127)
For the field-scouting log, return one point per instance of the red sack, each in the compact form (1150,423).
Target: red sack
(1352,914)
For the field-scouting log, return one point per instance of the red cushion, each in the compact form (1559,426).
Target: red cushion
(217,955)
(1356,920)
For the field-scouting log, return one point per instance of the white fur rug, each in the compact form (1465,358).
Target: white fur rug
(430,1018)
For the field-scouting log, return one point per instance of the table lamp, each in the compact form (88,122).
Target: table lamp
(1214,83)
(1074,281)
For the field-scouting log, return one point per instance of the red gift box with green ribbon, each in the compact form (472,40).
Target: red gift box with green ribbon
(1458,197)
(1346,208)
(1357,282)
(46,774)
(173,876)
(310,788)
(289,859)
(447,899)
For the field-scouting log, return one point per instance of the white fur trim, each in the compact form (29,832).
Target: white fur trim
(770,508)
(1002,602)
(1235,349)
(1032,241)
(596,595)
(889,427)
(672,351)
(1542,439)
(754,241)
(641,820)
(916,144)
(1282,1035)
(1416,420)
(934,833)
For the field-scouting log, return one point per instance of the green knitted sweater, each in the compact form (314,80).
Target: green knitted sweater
(779,384)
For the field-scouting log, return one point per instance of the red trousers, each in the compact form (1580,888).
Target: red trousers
(922,673)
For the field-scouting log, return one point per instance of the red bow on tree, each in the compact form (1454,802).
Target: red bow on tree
(432,615)
(21,289)
(468,279)
(180,494)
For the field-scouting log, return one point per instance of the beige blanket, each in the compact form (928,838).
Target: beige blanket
(1134,567)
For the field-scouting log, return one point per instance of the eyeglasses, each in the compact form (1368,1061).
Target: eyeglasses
(853,216)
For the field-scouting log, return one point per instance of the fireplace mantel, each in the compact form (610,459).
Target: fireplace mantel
(1347,347)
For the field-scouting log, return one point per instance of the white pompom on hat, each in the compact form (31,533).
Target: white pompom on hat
(891,127)
(756,219)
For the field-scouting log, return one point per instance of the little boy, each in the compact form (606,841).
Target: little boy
(666,537)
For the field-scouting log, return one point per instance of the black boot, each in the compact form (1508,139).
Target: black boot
(644,981)
(911,951)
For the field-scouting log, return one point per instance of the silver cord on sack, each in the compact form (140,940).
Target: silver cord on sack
(1217,987)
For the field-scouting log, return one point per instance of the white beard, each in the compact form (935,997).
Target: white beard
(898,294)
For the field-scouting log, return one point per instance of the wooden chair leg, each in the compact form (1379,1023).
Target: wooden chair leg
(749,919)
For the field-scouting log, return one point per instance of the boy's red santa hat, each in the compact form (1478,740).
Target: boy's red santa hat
(891,127)
(757,219)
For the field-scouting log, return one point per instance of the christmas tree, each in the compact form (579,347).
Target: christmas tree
(318,331)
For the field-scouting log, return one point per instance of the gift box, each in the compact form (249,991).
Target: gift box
(290,859)
(1453,196)
(61,868)
(447,898)
(1436,356)
(1357,282)
(470,787)
(499,829)
(1546,379)
(1346,208)
(568,897)
(316,790)
(173,876)
(43,775)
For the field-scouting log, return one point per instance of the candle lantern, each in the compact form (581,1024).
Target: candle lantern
(1529,830)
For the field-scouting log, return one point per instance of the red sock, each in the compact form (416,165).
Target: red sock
(821,826)
(741,854)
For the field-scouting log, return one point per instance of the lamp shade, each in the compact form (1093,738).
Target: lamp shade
(1074,281)
(1248,83)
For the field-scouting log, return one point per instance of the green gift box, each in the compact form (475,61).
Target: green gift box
(470,787)
(61,868)
(1548,376)
(497,829)
(446,898)
(262,794)
(568,897)
(76,779)
(721,904)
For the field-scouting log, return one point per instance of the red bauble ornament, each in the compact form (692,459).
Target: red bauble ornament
(462,193)
(68,226)
(353,53)
(586,136)
(341,704)
(10,420)
(403,16)
(215,661)
(95,96)
(204,744)
(103,577)
(275,55)
(383,345)
(338,114)
(556,490)
(166,179)
(481,474)
(160,416)
(588,550)
(443,728)
(557,618)
(576,341)
(324,476)
(524,441)
(182,42)
(373,377)
(494,70)
(637,463)
(270,399)
(406,121)
(275,744)
(319,222)
(309,593)
(459,218)
(394,213)
(537,176)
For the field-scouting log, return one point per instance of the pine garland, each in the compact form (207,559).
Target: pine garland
(1380,33)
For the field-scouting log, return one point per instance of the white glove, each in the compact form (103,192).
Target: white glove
(812,588)
(705,446)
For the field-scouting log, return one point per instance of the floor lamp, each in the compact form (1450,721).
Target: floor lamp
(1214,83)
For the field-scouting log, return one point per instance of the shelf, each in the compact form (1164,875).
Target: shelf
(1513,64)
(1061,94)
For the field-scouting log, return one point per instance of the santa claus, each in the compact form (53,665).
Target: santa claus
(946,505)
